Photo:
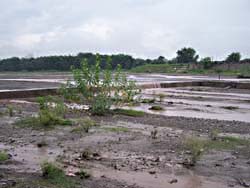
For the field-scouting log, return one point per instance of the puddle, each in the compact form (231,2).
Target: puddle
(28,157)
(146,180)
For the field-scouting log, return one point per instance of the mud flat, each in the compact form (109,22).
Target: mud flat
(124,151)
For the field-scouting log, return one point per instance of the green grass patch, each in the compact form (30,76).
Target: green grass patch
(116,129)
(197,146)
(129,112)
(56,176)
(37,123)
(156,108)
(3,156)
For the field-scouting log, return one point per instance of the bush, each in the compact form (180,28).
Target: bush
(99,93)
(3,156)
(51,112)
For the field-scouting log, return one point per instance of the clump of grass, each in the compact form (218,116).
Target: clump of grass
(156,108)
(126,112)
(154,134)
(83,125)
(148,101)
(3,156)
(116,129)
(214,134)
(227,142)
(10,110)
(56,176)
(230,107)
(161,97)
(83,174)
(196,146)
(42,122)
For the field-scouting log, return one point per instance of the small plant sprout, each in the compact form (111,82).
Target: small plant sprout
(154,134)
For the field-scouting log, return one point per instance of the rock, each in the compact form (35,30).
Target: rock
(173,181)
(218,164)
(152,172)
(242,182)
(7,183)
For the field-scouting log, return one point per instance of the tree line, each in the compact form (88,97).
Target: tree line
(65,62)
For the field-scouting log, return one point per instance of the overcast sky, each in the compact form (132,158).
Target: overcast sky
(143,28)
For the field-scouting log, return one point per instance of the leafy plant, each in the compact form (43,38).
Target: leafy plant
(83,125)
(55,175)
(3,156)
(99,89)
(10,110)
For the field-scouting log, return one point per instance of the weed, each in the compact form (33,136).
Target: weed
(83,174)
(42,122)
(56,176)
(3,156)
(214,134)
(156,108)
(86,154)
(196,147)
(99,93)
(154,134)
(10,110)
(161,97)
(83,125)
(128,112)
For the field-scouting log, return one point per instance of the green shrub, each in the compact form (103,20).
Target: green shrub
(99,93)
(3,156)
(196,146)
(10,110)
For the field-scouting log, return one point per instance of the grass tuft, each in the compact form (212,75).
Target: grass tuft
(128,112)
(83,125)
(3,156)
(56,176)
(156,108)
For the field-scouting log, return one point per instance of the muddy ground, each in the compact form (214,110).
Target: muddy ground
(122,152)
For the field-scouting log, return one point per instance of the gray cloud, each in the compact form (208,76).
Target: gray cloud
(144,28)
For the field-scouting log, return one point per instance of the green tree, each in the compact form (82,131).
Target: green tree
(206,62)
(187,55)
(233,57)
